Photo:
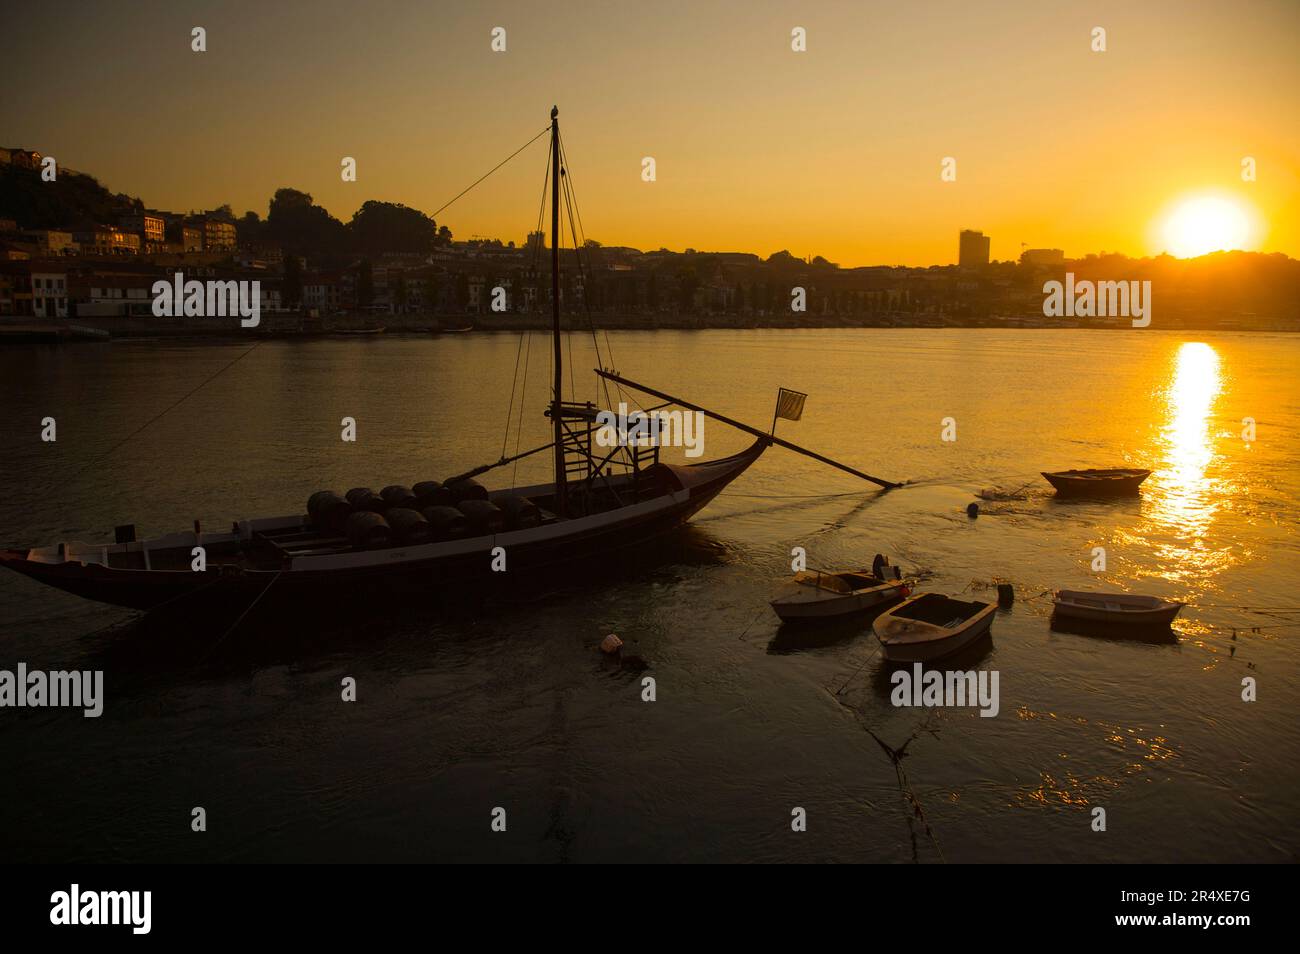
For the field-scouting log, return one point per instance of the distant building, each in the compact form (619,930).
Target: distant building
(49,294)
(323,292)
(218,235)
(149,226)
(972,249)
(183,238)
(51,242)
(1042,256)
(106,240)
(22,158)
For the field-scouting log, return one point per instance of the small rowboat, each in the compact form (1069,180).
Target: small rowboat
(817,594)
(1118,482)
(931,626)
(1125,608)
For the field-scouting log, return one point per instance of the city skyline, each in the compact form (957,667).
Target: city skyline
(836,151)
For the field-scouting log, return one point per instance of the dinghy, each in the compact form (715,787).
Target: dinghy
(1123,608)
(1117,482)
(817,594)
(931,626)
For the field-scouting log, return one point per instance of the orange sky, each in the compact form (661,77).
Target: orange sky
(835,151)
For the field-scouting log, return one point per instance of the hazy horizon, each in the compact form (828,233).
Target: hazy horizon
(835,151)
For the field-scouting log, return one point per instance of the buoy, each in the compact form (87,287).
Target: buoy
(972,510)
(1006,594)
(611,644)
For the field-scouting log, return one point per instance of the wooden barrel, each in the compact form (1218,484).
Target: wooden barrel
(467,490)
(409,526)
(368,531)
(431,493)
(395,495)
(446,523)
(483,516)
(363,498)
(327,510)
(520,512)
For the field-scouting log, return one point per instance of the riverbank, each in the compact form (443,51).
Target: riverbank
(293,325)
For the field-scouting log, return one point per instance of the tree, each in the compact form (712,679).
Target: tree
(301,227)
(379,227)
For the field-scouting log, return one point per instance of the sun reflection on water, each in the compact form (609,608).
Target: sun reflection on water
(1185,498)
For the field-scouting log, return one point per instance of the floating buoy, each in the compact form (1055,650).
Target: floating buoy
(972,510)
(1006,594)
(611,644)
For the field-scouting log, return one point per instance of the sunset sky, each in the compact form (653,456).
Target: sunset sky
(834,152)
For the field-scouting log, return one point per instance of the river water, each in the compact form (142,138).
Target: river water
(508,704)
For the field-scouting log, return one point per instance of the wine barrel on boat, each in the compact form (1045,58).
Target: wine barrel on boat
(409,526)
(483,516)
(520,512)
(395,495)
(446,523)
(431,493)
(467,490)
(368,531)
(328,510)
(363,498)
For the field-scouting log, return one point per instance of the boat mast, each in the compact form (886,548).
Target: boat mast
(557,421)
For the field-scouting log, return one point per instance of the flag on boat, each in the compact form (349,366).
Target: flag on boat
(789,404)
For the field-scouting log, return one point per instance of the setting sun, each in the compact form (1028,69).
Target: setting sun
(1204,224)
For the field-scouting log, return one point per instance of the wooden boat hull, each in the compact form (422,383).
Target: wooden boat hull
(905,640)
(1097,483)
(395,570)
(791,609)
(1118,609)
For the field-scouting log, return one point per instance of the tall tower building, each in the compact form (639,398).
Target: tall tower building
(972,249)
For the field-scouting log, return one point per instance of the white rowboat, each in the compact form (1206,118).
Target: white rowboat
(817,594)
(1125,608)
(931,626)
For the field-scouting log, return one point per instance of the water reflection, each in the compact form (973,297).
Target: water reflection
(1185,498)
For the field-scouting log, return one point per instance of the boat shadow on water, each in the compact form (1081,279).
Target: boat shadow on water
(224,633)
(966,659)
(1155,634)
(811,635)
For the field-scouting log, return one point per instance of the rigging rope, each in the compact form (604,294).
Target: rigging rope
(175,404)
(490,171)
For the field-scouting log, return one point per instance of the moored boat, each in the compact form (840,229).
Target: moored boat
(1115,482)
(818,594)
(1123,608)
(931,626)
(599,501)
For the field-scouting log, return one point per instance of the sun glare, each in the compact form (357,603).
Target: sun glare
(1204,224)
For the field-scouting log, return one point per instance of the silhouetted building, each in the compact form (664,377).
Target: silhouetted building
(1042,256)
(972,249)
